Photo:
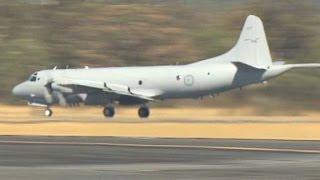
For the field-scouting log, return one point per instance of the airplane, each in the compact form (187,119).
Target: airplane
(248,62)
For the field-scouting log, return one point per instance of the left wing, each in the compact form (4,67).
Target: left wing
(119,89)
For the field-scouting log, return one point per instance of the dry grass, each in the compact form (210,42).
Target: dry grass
(182,123)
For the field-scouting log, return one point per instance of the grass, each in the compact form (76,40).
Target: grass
(242,123)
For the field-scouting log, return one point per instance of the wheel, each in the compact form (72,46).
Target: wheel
(109,111)
(143,112)
(48,112)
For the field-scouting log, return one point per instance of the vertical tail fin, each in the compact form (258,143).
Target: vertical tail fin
(252,47)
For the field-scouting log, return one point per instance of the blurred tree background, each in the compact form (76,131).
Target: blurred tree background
(41,34)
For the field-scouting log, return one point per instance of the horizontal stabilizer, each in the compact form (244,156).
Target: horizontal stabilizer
(309,65)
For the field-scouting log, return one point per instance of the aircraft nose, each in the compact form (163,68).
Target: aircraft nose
(17,90)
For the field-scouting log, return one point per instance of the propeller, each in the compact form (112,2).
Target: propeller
(52,91)
(48,93)
(61,98)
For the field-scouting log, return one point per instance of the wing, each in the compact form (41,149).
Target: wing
(119,89)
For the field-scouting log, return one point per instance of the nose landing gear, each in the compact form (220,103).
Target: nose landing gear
(48,112)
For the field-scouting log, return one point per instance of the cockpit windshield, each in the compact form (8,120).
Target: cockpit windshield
(33,77)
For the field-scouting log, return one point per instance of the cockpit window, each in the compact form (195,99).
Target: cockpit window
(33,77)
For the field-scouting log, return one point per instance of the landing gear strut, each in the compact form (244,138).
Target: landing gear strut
(109,111)
(143,112)
(48,112)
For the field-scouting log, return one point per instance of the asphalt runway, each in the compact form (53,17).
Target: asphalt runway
(28,157)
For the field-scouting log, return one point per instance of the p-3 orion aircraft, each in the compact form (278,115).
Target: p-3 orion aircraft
(248,62)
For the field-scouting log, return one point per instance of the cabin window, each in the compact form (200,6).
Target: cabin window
(140,82)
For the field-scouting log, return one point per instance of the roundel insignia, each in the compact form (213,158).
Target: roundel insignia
(188,80)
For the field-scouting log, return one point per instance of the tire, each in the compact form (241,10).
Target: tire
(143,112)
(109,112)
(48,112)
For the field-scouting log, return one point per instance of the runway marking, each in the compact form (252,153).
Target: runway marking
(257,149)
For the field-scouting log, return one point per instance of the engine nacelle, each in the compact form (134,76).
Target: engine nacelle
(74,99)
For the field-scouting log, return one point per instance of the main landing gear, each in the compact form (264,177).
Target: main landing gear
(143,112)
(109,112)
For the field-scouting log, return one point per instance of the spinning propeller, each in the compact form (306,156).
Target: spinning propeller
(53,91)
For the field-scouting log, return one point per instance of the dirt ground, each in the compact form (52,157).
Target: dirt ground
(164,122)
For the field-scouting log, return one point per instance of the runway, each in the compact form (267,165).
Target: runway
(31,157)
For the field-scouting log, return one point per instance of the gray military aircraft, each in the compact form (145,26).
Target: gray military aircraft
(248,62)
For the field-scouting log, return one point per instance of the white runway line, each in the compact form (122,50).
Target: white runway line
(166,146)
